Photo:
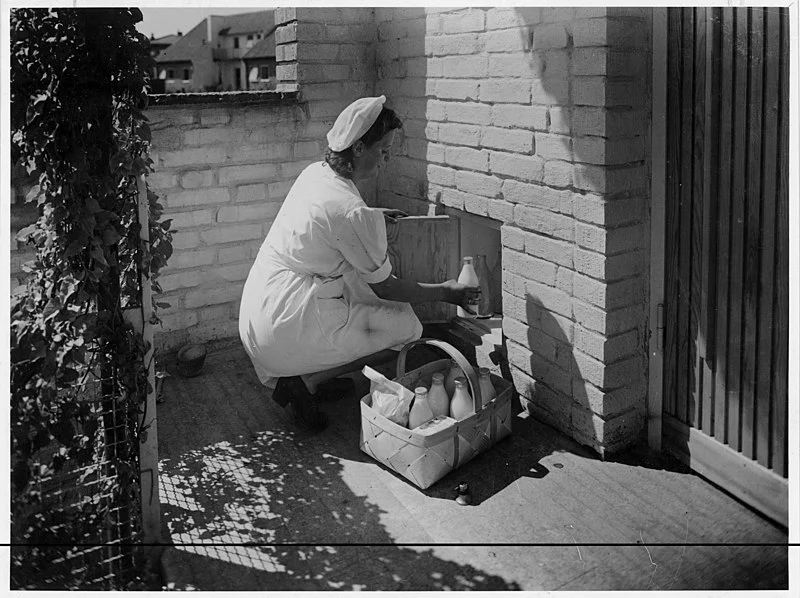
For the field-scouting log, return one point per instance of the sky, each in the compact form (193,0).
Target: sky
(168,21)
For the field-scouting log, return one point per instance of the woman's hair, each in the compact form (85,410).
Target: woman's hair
(342,162)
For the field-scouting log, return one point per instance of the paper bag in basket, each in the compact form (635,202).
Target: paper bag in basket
(389,398)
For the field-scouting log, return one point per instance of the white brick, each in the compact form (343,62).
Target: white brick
(480,184)
(254,172)
(610,180)
(528,168)
(558,173)
(515,65)
(445,45)
(255,192)
(557,64)
(196,197)
(215,136)
(197,178)
(233,273)
(509,140)
(530,267)
(506,41)
(472,20)
(441,175)
(185,240)
(458,134)
(554,15)
(524,117)
(512,238)
(187,157)
(177,321)
(237,253)
(544,222)
(231,233)
(560,120)
(509,91)
(599,150)
(550,36)
(278,190)
(595,209)
(550,91)
(551,299)
(464,157)
(538,196)
(204,297)
(553,147)
(471,113)
(546,248)
(501,210)
(189,259)
(505,18)
(162,180)
(476,204)
(182,220)
(240,213)
(180,280)
(456,89)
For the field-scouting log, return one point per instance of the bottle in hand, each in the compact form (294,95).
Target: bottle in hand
(468,276)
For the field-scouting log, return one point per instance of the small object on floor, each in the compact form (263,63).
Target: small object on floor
(191,359)
(160,385)
(464,497)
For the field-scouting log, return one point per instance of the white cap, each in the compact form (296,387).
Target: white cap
(354,122)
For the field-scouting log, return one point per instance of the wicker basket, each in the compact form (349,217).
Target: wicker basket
(425,458)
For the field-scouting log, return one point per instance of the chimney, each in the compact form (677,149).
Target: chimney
(180,34)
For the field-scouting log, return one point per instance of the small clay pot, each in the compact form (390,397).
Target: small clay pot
(191,359)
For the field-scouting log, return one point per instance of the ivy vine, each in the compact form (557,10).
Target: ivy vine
(79,81)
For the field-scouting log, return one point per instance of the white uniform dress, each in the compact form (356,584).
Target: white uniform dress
(307,305)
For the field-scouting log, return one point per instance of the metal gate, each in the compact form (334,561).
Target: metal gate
(725,314)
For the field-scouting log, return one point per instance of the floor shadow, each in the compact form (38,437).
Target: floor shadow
(253,502)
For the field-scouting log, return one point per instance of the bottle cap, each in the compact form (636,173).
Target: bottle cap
(420,390)
(438,377)
(467,259)
(483,371)
(461,381)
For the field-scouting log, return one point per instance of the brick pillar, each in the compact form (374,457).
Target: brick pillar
(610,120)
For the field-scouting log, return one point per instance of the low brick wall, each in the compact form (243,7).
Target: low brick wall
(222,172)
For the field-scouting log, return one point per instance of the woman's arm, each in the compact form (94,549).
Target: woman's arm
(408,291)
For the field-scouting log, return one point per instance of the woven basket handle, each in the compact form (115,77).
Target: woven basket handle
(454,353)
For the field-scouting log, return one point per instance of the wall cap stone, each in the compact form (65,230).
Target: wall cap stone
(224,98)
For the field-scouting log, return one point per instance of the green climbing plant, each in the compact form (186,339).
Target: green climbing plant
(79,381)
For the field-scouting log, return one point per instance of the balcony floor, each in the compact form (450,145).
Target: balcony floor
(318,514)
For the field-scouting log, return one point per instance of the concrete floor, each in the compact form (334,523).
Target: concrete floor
(252,502)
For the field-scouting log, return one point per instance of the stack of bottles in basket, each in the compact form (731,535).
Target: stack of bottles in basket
(448,397)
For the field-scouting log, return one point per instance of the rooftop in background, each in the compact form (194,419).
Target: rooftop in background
(245,23)
(191,46)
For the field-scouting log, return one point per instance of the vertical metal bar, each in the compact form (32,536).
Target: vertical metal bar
(148,451)
(657,228)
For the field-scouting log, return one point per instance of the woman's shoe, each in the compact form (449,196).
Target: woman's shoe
(293,390)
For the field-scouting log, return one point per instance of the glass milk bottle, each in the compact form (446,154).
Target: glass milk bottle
(450,381)
(485,303)
(470,277)
(438,399)
(420,410)
(461,406)
(487,388)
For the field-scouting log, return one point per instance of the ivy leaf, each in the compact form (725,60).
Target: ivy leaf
(33,194)
(111,236)
(26,232)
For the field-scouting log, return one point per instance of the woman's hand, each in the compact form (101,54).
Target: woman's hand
(392,214)
(465,296)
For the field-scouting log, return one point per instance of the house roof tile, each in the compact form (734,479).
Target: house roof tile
(191,46)
(263,49)
(249,22)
